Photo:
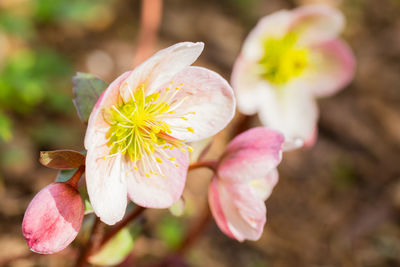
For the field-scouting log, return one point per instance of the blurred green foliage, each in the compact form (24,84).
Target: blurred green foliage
(34,76)
(171,231)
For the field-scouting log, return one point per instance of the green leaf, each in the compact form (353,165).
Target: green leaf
(5,128)
(62,159)
(117,248)
(87,89)
(65,175)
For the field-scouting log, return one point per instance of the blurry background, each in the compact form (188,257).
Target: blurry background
(337,204)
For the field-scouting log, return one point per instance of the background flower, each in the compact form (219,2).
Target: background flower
(287,60)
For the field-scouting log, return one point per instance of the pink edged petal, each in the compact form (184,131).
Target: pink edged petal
(316,23)
(106,184)
(275,25)
(248,85)
(159,191)
(265,185)
(161,67)
(333,66)
(291,110)
(238,211)
(53,218)
(208,96)
(216,209)
(96,125)
(251,155)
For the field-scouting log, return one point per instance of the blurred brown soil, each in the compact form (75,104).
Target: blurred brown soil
(337,203)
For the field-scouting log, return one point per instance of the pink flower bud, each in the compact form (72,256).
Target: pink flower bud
(53,218)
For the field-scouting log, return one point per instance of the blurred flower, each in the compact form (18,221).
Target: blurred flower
(53,218)
(289,58)
(137,131)
(244,179)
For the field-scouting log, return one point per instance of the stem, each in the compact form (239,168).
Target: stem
(73,181)
(151,13)
(212,165)
(92,244)
(133,215)
(195,232)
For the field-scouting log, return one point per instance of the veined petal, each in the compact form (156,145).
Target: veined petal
(157,191)
(291,110)
(332,69)
(106,184)
(265,185)
(97,125)
(208,104)
(237,209)
(161,67)
(316,23)
(248,85)
(251,155)
(271,26)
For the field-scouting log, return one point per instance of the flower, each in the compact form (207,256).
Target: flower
(244,179)
(53,218)
(137,132)
(287,60)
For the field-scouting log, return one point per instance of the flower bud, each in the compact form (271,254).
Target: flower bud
(53,218)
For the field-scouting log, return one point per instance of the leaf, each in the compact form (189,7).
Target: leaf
(117,248)
(65,175)
(87,89)
(62,159)
(170,230)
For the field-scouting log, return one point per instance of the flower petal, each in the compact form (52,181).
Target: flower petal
(209,97)
(265,185)
(237,209)
(161,67)
(248,85)
(333,68)
(53,218)
(159,191)
(291,110)
(96,125)
(106,184)
(275,25)
(316,23)
(251,155)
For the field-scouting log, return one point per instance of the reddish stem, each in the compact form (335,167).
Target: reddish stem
(212,165)
(195,232)
(74,180)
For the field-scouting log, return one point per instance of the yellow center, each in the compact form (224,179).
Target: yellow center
(283,59)
(138,129)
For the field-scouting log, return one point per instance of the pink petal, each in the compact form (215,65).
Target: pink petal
(53,218)
(291,110)
(106,184)
(237,209)
(333,68)
(96,125)
(316,23)
(248,85)
(265,185)
(209,96)
(251,155)
(158,191)
(162,66)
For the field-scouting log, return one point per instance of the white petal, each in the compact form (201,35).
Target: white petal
(162,66)
(106,184)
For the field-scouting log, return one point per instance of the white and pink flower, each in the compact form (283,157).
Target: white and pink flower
(287,60)
(137,132)
(244,179)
